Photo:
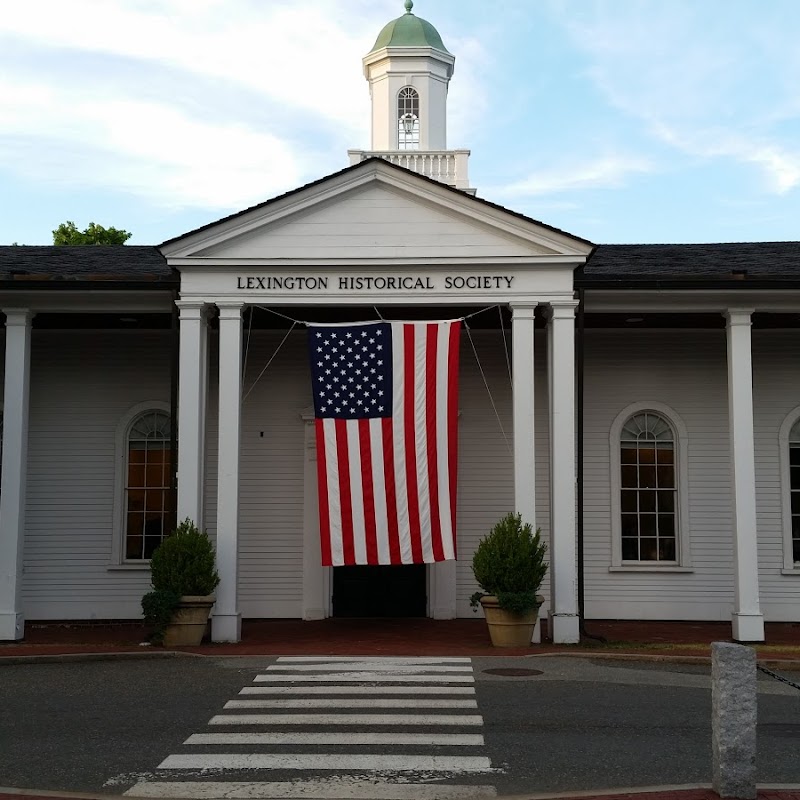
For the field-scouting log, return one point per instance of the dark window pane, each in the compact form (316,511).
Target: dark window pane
(794,455)
(795,471)
(666,477)
(666,550)
(795,527)
(647,476)
(630,548)
(796,550)
(647,455)
(629,501)
(666,501)
(136,454)
(628,455)
(150,544)
(136,475)
(133,547)
(666,525)
(647,501)
(629,477)
(629,525)
(795,502)
(135,500)
(647,524)
(648,549)
(154,501)
(665,454)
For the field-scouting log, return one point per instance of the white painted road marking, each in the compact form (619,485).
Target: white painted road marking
(379,659)
(372,666)
(345,702)
(346,719)
(358,690)
(366,737)
(379,762)
(365,677)
(323,789)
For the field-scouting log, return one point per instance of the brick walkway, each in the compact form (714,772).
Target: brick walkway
(466,637)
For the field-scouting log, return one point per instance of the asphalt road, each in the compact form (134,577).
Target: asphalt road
(582,724)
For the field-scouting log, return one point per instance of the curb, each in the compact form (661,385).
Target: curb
(66,658)
(789,664)
(601,793)
(8,792)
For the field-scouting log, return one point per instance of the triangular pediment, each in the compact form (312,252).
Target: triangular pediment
(377,213)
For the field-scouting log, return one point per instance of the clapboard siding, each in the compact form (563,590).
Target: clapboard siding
(776,390)
(375,222)
(686,370)
(82,385)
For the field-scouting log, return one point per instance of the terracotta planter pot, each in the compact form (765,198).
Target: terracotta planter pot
(507,629)
(189,620)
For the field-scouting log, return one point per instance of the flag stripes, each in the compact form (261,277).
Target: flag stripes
(387,473)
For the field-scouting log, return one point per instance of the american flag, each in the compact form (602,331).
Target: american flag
(386,408)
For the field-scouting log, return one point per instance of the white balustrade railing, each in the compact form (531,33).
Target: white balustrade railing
(447,166)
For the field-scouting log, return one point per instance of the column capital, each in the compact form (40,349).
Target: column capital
(561,309)
(526,310)
(739,316)
(230,309)
(192,309)
(18,316)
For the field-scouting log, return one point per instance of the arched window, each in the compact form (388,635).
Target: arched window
(148,512)
(648,489)
(408,119)
(789,441)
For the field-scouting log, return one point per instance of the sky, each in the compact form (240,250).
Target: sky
(616,120)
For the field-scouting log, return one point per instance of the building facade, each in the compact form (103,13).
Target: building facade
(638,403)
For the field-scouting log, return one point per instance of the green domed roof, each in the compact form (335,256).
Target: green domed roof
(409,31)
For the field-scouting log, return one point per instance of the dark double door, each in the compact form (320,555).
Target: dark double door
(380,591)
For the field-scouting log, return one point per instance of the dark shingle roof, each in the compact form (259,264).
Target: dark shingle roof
(83,263)
(622,262)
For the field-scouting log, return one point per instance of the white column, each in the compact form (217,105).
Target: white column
(563,551)
(748,621)
(192,396)
(15,462)
(316,583)
(227,621)
(522,319)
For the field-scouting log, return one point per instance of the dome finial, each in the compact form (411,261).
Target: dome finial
(409,5)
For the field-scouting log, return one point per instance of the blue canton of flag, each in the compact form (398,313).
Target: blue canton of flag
(351,371)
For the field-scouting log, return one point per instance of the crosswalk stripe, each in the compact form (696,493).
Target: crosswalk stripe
(339,738)
(324,761)
(359,690)
(366,677)
(371,666)
(346,719)
(378,659)
(345,702)
(324,789)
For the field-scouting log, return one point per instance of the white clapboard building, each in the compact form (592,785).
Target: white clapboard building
(639,403)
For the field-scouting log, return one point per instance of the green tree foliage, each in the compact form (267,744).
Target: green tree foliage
(67,233)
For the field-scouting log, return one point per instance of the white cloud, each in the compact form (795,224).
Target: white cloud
(604,172)
(714,80)
(148,149)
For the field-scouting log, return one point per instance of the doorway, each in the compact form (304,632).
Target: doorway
(380,591)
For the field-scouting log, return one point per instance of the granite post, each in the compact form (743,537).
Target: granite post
(733,720)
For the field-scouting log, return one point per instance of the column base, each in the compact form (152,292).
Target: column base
(310,614)
(748,627)
(445,612)
(226,628)
(12,626)
(566,628)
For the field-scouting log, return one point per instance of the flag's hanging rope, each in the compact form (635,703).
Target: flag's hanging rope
(488,390)
(505,348)
(266,366)
(247,343)
(296,322)
(380,316)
